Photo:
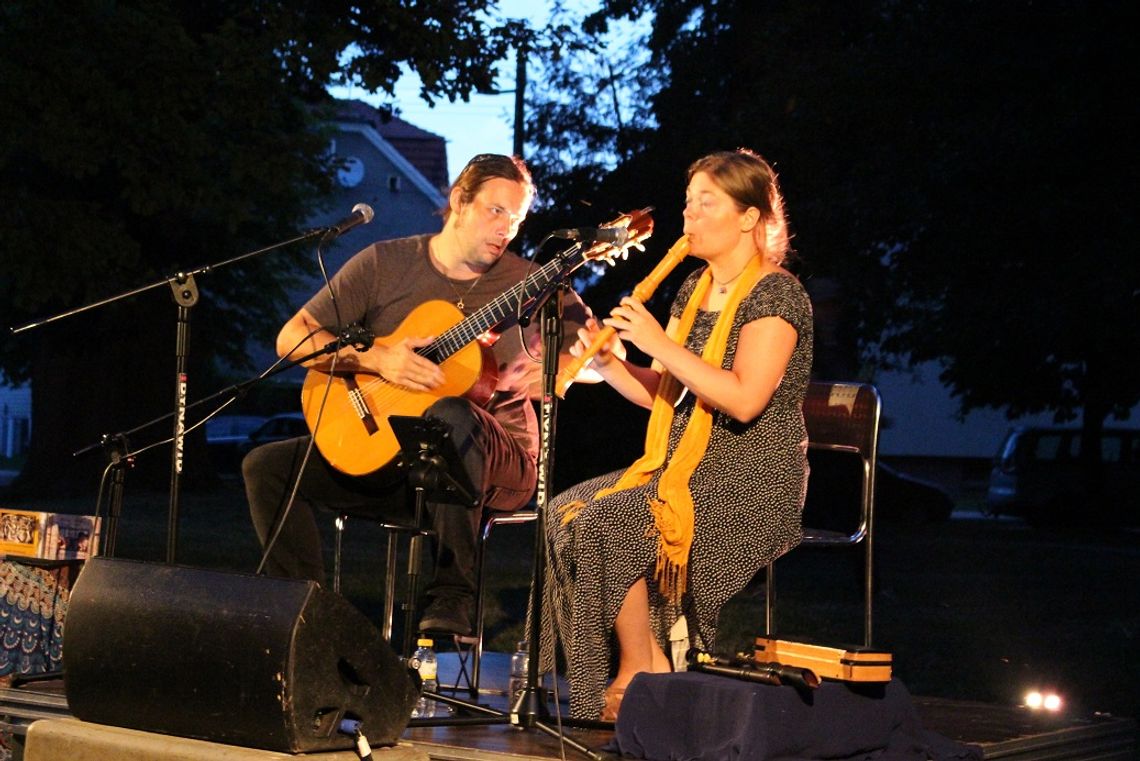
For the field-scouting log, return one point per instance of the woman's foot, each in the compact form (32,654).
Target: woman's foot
(613,696)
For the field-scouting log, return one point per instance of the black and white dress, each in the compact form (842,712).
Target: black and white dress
(748,492)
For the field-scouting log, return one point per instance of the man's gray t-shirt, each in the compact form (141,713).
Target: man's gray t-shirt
(379,286)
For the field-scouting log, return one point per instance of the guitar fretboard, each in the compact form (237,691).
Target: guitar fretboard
(501,308)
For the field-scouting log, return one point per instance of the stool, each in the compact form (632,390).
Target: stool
(393,530)
(468,648)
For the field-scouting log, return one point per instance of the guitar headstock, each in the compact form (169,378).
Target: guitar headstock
(639,226)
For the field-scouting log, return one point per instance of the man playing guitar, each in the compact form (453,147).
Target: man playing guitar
(466,265)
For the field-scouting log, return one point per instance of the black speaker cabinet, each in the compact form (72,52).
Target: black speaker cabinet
(266,663)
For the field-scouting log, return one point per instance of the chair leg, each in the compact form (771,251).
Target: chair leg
(389,588)
(480,609)
(340,521)
(868,592)
(770,599)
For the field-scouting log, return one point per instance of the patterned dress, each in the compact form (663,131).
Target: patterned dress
(748,493)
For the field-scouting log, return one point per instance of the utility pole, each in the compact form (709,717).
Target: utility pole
(520,90)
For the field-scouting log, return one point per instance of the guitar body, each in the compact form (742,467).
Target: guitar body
(353,434)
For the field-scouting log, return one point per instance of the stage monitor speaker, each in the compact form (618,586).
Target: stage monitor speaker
(247,660)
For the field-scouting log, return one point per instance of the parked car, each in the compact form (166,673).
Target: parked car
(286,425)
(226,437)
(1038,474)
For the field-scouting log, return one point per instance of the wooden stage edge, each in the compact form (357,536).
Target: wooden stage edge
(1003,732)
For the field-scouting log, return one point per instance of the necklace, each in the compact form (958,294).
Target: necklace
(459,297)
(722,287)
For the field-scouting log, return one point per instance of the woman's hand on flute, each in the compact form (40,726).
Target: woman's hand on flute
(635,324)
(604,355)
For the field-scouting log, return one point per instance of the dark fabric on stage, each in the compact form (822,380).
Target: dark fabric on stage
(701,717)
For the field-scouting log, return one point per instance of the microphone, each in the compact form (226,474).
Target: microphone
(614,235)
(361,215)
(357,336)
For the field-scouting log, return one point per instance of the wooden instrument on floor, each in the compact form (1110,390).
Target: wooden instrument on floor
(848,664)
(353,434)
(748,669)
(641,292)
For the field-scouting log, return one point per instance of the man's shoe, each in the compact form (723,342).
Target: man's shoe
(448,615)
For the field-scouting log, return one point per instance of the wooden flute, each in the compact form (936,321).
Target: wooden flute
(642,291)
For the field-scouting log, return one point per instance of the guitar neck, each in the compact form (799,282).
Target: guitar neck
(501,308)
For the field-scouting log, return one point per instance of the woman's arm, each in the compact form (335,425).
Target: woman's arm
(637,384)
(744,390)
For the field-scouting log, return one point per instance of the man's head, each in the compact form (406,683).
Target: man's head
(486,205)
(480,169)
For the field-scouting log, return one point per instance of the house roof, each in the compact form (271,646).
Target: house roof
(424,150)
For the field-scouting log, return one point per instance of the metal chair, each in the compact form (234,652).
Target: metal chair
(494,519)
(841,417)
(469,649)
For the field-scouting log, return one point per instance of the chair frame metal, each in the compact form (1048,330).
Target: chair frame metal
(842,417)
(475,640)
(524,515)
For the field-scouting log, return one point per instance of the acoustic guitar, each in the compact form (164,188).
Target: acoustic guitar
(353,434)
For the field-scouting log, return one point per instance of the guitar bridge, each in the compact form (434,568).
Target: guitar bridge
(360,406)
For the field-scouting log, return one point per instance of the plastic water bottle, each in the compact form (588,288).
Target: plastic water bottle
(428,669)
(520,659)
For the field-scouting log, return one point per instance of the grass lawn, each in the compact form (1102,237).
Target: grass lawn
(972,609)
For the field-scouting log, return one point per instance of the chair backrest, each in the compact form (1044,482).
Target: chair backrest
(844,417)
(841,417)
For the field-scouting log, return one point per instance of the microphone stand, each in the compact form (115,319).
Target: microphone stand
(122,457)
(118,453)
(529,710)
(185,293)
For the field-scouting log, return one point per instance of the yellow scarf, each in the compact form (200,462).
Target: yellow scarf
(673,507)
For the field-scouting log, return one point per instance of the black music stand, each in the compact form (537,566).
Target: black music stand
(436,472)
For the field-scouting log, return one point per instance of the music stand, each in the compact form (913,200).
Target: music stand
(436,472)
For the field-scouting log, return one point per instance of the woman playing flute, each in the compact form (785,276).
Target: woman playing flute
(719,491)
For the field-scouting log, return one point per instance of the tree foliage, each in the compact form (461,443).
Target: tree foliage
(956,174)
(147,137)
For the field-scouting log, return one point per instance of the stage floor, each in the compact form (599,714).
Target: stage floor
(1003,732)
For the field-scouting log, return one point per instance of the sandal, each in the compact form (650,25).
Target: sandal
(613,696)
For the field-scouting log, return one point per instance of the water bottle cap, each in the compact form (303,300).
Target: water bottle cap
(524,645)
(424,642)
